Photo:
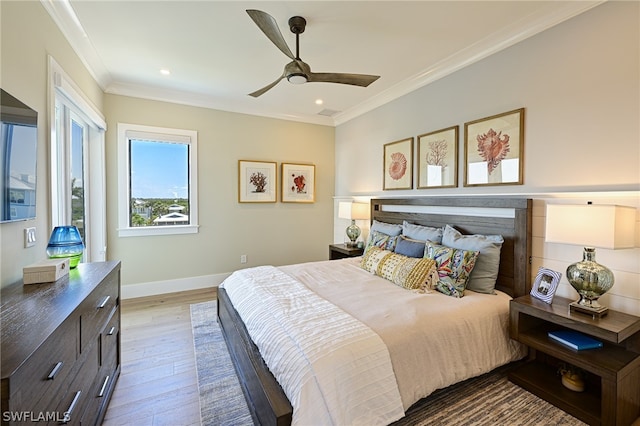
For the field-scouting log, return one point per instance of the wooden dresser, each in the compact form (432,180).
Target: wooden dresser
(61,347)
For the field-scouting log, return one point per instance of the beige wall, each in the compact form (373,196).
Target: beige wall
(28,37)
(274,233)
(579,83)
(267,233)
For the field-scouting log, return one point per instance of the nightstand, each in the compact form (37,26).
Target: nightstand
(612,394)
(340,251)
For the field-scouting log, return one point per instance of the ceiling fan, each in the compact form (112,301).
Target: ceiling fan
(297,71)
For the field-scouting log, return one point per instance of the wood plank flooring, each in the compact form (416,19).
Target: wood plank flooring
(158,383)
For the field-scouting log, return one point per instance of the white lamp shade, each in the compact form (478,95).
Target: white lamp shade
(359,211)
(604,226)
(353,211)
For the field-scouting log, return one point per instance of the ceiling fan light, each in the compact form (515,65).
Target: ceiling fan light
(297,78)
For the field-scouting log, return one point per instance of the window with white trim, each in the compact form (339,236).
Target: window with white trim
(78,195)
(157,180)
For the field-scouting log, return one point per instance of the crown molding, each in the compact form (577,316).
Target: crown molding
(515,33)
(65,18)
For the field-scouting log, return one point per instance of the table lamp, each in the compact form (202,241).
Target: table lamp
(353,212)
(591,226)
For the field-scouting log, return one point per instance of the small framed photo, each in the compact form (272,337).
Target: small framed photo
(545,284)
(257,182)
(298,183)
(398,165)
(438,159)
(494,150)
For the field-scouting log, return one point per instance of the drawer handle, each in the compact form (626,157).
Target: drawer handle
(55,371)
(110,333)
(104,302)
(67,414)
(104,386)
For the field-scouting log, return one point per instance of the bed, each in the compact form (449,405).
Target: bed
(341,291)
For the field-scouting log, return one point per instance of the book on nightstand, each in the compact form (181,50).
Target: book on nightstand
(575,340)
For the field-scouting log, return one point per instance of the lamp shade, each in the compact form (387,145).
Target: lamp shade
(353,211)
(604,226)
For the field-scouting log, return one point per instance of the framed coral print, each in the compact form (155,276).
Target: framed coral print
(257,182)
(494,149)
(398,165)
(298,183)
(545,284)
(438,159)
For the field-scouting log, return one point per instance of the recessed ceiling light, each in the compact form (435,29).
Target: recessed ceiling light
(165,71)
(319,102)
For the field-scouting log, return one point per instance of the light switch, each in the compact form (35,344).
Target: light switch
(29,237)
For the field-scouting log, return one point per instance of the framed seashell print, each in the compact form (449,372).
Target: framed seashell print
(438,159)
(398,165)
(494,150)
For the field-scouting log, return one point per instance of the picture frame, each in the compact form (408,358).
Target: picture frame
(398,165)
(438,159)
(257,181)
(494,150)
(298,183)
(545,284)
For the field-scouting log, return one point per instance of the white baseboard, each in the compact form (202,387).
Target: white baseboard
(132,291)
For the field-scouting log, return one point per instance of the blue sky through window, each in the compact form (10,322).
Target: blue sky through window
(159,169)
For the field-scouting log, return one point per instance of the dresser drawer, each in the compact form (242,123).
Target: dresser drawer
(46,372)
(72,405)
(97,308)
(110,337)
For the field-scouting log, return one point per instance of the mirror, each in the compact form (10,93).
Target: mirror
(18,152)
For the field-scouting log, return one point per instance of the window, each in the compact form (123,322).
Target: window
(78,195)
(157,180)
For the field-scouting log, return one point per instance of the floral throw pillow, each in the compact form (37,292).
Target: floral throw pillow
(454,267)
(381,240)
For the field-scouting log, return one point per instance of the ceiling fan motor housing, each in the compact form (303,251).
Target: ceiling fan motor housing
(297,24)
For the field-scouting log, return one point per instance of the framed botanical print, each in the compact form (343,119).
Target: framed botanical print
(438,159)
(257,182)
(398,165)
(298,183)
(494,150)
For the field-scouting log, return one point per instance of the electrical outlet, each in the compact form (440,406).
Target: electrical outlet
(29,237)
(243,258)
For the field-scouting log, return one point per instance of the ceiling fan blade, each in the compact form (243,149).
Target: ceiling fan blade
(269,27)
(362,80)
(266,88)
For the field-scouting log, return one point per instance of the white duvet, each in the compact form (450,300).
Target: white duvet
(431,340)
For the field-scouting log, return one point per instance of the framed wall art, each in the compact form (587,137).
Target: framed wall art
(398,165)
(257,182)
(298,183)
(494,150)
(545,284)
(438,159)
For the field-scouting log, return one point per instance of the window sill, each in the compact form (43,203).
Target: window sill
(157,230)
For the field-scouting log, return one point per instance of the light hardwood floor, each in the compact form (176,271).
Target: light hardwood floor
(157,384)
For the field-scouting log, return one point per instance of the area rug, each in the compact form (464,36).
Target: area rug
(487,400)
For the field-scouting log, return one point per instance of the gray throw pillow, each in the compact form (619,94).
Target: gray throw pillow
(485,273)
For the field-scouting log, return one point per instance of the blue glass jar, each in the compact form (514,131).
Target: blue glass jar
(66,241)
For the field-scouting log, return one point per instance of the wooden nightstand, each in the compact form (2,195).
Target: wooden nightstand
(340,251)
(612,394)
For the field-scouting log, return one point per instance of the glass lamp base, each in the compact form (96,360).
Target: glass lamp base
(353,232)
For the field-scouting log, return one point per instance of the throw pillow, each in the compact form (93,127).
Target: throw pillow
(485,273)
(453,266)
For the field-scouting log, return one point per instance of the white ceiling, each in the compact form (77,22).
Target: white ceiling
(217,55)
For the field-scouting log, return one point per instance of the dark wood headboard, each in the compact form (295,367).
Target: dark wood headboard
(509,217)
